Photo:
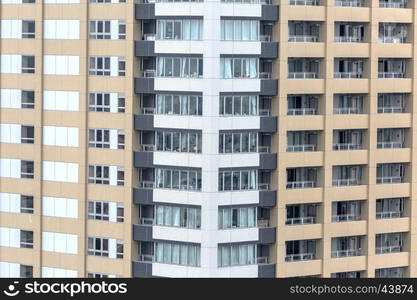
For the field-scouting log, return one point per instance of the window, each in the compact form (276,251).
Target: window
(26,204)
(48,272)
(60,171)
(61,29)
(107,1)
(120,139)
(99,174)
(107,102)
(28,64)
(105,211)
(236,254)
(120,176)
(177,253)
(240,67)
(27,169)
(60,242)
(60,136)
(98,247)
(61,100)
(60,207)
(100,66)
(182,67)
(99,138)
(179,105)
(119,249)
(239,105)
(237,217)
(240,142)
(61,65)
(238,180)
(100,30)
(28,29)
(122,30)
(28,99)
(26,271)
(178,141)
(27,134)
(178,216)
(239,30)
(100,275)
(26,239)
(187,29)
(107,66)
(98,210)
(178,179)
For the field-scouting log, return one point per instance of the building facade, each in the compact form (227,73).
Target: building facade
(213,138)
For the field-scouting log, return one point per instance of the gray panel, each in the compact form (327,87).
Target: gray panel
(142,196)
(267,235)
(269,12)
(143,159)
(144,122)
(142,233)
(267,198)
(269,49)
(141,269)
(145,48)
(269,87)
(268,124)
(144,85)
(266,271)
(145,11)
(268,161)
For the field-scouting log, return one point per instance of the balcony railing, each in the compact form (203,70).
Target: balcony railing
(351,3)
(301,111)
(391,75)
(389,145)
(304,2)
(147,147)
(390,110)
(299,257)
(346,182)
(146,258)
(263,260)
(300,221)
(348,39)
(149,73)
(146,221)
(388,249)
(392,39)
(347,146)
(303,38)
(265,38)
(301,148)
(346,253)
(346,218)
(265,75)
(389,179)
(389,214)
(349,75)
(302,75)
(347,110)
(148,110)
(401,4)
(301,184)
(262,223)
(149,36)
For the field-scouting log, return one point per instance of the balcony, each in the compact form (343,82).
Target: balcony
(390,145)
(393,3)
(304,2)
(391,74)
(302,75)
(348,75)
(346,218)
(301,184)
(301,148)
(348,68)
(347,146)
(348,39)
(389,179)
(302,105)
(392,68)
(390,109)
(346,182)
(300,221)
(389,214)
(350,3)
(303,68)
(388,249)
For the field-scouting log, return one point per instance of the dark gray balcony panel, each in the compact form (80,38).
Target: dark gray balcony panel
(145,48)
(266,271)
(145,11)
(267,198)
(269,49)
(142,269)
(143,196)
(269,12)
(267,235)
(268,161)
(269,87)
(144,122)
(268,124)
(143,159)
(144,85)
(142,233)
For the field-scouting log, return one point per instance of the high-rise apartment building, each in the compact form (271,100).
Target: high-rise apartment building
(208,138)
